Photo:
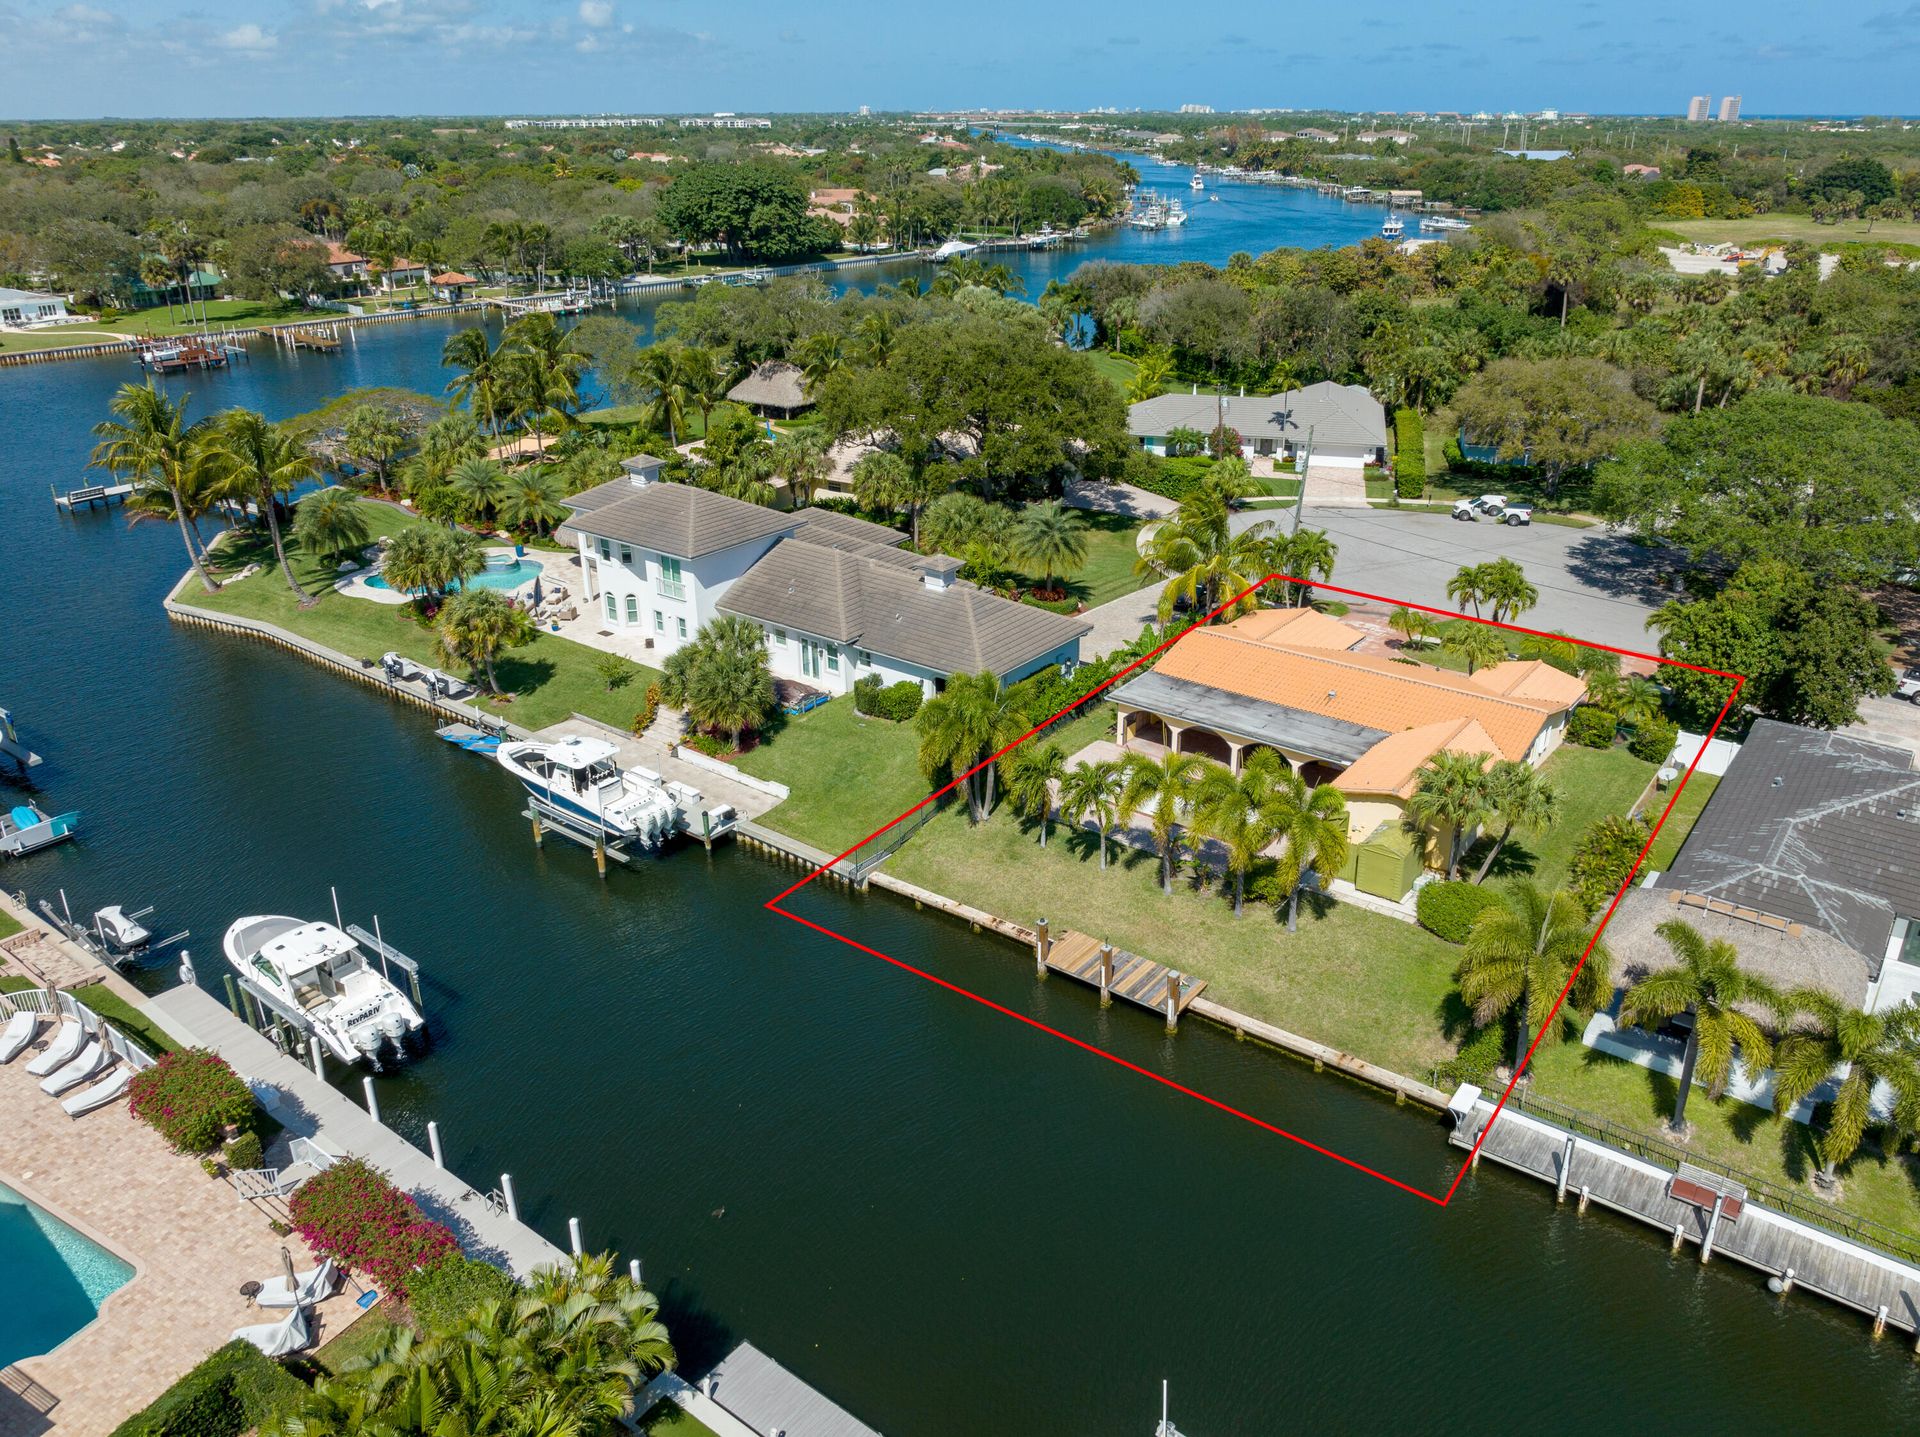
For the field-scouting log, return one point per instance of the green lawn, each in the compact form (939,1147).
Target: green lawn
(9,925)
(221,314)
(1372,985)
(1118,369)
(1885,1190)
(1778,229)
(849,774)
(668,1420)
(1592,782)
(366,1334)
(549,679)
(111,1006)
(1108,571)
(1686,811)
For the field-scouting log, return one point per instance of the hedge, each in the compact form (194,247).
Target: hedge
(1653,740)
(1591,727)
(1409,454)
(441,1297)
(1447,909)
(1169,478)
(1485,1050)
(237,1389)
(189,1097)
(898,702)
(352,1214)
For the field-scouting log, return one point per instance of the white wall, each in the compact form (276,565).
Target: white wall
(634,577)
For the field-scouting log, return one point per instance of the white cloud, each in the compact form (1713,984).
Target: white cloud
(597,13)
(249,39)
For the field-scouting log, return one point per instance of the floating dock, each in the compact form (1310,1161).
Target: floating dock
(1117,973)
(1825,1252)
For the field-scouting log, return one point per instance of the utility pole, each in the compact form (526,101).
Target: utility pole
(1300,499)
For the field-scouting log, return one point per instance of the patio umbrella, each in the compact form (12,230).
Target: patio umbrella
(536,591)
(293,1283)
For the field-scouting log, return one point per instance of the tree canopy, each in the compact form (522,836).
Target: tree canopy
(1556,414)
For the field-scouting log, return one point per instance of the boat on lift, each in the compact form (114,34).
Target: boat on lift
(319,972)
(581,777)
(1394,227)
(121,933)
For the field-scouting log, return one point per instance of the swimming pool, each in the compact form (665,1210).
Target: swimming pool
(62,1277)
(507,576)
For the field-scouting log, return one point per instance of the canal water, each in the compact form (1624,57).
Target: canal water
(947,1221)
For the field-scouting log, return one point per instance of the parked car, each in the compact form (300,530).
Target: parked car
(1494,507)
(1907,686)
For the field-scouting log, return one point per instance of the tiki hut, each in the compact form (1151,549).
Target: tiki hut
(775,390)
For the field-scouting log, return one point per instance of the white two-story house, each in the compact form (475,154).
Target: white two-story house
(838,598)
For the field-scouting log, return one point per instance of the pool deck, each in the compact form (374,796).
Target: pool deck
(190,1240)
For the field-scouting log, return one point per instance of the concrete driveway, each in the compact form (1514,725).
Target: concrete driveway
(1593,583)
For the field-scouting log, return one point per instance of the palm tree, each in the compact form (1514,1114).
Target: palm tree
(1311,824)
(1032,771)
(1874,1049)
(1638,701)
(1169,784)
(477,626)
(1238,812)
(1518,958)
(1521,800)
(1051,540)
(1092,790)
(1306,555)
(705,380)
(1151,375)
(1414,626)
(1450,795)
(1204,559)
(722,678)
(1503,583)
(483,378)
(416,561)
(878,479)
(875,335)
(261,462)
(150,443)
(962,727)
(1476,643)
(662,373)
(799,456)
(532,500)
(1468,586)
(819,355)
(1710,987)
(331,524)
(480,483)
(546,367)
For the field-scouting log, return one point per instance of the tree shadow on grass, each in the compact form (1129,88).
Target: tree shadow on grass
(519,676)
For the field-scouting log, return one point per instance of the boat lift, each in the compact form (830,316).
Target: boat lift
(12,748)
(92,939)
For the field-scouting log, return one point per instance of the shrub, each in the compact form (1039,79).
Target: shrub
(235,1390)
(712,745)
(442,1295)
(246,1153)
(1592,727)
(190,1097)
(1654,740)
(1409,454)
(352,1214)
(1484,1050)
(1169,478)
(898,702)
(1447,909)
(643,720)
(1604,856)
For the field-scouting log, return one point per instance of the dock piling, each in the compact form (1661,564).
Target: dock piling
(600,854)
(1040,947)
(1678,1230)
(539,838)
(1173,1000)
(433,1144)
(1713,1226)
(373,1103)
(1566,1167)
(1106,975)
(1586,1195)
(319,1057)
(506,1193)
(1880,1321)
(233,997)
(633,1271)
(573,1235)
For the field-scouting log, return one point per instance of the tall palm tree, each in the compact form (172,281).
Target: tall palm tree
(331,524)
(547,367)
(261,462)
(1503,584)
(1204,560)
(149,442)
(1306,555)
(1450,794)
(477,626)
(1311,824)
(963,726)
(1169,784)
(1092,790)
(1713,990)
(799,456)
(1518,957)
(662,373)
(1051,540)
(705,380)
(1238,811)
(1032,770)
(1468,586)
(1874,1049)
(482,381)
(1521,800)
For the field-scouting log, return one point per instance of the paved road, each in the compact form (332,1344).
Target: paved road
(1593,583)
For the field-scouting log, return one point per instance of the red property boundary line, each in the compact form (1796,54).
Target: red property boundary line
(1440,1199)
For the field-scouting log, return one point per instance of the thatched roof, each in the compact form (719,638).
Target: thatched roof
(1788,956)
(773,385)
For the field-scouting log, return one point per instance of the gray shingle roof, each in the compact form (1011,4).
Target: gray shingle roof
(769,1399)
(1813,827)
(676,519)
(826,526)
(1343,414)
(1334,740)
(876,598)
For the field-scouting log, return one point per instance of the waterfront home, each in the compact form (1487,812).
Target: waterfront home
(1290,680)
(775,390)
(343,263)
(453,286)
(29,308)
(1349,425)
(1805,859)
(838,598)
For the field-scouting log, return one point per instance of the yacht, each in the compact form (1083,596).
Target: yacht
(1394,227)
(952,249)
(317,970)
(1442,224)
(1176,214)
(1196,183)
(582,778)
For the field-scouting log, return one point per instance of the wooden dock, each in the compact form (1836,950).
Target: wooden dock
(1691,1204)
(1117,973)
(87,496)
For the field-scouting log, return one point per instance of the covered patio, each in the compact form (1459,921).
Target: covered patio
(1158,714)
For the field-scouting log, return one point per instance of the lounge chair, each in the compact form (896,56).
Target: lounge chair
(90,1063)
(61,1050)
(312,1287)
(100,1094)
(19,1032)
(277,1339)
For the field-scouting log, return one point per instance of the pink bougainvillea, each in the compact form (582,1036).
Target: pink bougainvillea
(352,1214)
(191,1097)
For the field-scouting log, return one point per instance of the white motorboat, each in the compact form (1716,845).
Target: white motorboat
(318,971)
(1176,214)
(121,933)
(26,827)
(581,777)
(1394,227)
(1196,183)
(953,249)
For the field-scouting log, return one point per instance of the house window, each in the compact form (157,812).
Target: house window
(659,622)
(606,549)
(670,585)
(626,554)
(613,610)
(833,661)
(681,626)
(780,637)
(1908,948)
(633,609)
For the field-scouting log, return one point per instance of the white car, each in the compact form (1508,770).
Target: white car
(1494,507)
(1907,686)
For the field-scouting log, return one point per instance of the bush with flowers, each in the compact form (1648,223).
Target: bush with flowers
(352,1214)
(191,1097)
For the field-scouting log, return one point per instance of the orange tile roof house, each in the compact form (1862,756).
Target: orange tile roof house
(1289,680)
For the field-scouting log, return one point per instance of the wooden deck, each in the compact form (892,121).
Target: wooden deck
(1798,1253)
(1127,975)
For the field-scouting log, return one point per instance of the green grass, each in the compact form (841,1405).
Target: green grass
(1885,1190)
(1778,229)
(1116,368)
(111,1006)
(221,314)
(1679,823)
(365,1335)
(849,774)
(9,925)
(1108,571)
(1592,782)
(669,1420)
(549,679)
(1371,985)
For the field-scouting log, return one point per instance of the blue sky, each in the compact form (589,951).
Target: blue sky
(280,57)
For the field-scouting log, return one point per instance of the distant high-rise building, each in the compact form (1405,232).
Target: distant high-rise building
(1699,108)
(1196,109)
(1729,109)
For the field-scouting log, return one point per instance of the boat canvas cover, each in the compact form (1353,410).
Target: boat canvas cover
(578,752)
(310,946)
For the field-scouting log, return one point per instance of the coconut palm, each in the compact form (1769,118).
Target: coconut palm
(1306,555)
(261,462)
(1476,643)
(704,379)
(1169,784)
(1311,825)
(483,379)
(1468,586)
(148,442)
(1519,955)
(1092,791)
(1205,561)
(1520,800)
(480,483)
(532,499)
(722,678)
(1874,1049)
(477,626)
(1051,540)
(1709,986)
(1503,584)
(546,367)
(962,728)
(1413,626)
(1031,772)
(1450,794)
(875,337)
(799,456)
(661,374)
(448,442)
